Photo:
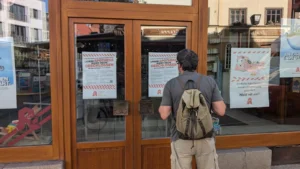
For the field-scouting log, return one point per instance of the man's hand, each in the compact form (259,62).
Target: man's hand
(164,112)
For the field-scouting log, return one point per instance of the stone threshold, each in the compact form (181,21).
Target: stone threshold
(34,165)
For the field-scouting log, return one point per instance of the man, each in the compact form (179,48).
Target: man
(183,150)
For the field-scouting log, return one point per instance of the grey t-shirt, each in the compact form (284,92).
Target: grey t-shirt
(173,92)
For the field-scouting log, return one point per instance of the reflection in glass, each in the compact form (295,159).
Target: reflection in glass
(165,40)
(25,96)
(157,2)
(282,87)
(95,118)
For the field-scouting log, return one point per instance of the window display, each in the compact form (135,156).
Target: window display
(25,94)
(257,61)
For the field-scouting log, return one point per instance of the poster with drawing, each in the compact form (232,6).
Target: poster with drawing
(249,79)
(162,68)
(290,49)
(8,87)
(99,75)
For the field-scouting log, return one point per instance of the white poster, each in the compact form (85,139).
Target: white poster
(8,87)
(162,68)
(249,79)
(290,49)
(99,75)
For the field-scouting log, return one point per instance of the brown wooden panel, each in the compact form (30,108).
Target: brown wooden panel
(156,156)
(110,158)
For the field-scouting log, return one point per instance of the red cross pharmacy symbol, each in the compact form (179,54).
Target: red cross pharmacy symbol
(28,123)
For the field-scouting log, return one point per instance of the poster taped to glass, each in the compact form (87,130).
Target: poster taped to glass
(8,89)
(162,68)
(249,79)
(99,75)
(290,49)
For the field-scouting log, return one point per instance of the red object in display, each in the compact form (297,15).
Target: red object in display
(26,118)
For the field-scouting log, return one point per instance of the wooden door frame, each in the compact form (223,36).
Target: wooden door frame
(69,79)
(191,43)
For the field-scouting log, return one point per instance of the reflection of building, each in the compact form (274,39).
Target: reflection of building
(230,26)
(296,9)
(26,21)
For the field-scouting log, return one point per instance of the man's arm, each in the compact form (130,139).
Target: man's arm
(219,107)
(218,104)
(166,103)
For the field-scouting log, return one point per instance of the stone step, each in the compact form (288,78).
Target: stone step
(34,165)
(292,166)
(245,158)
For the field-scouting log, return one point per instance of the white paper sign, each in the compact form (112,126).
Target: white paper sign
(249,79)
(162,68)
(99,75)
(290,49)
(8,87)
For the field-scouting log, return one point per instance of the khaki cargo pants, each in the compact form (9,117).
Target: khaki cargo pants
(204,151)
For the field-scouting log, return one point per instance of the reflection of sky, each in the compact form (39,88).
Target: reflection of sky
(46,2)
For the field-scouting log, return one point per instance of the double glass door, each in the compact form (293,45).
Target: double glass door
(117,77)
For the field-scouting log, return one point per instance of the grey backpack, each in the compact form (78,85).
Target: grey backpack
(193,119)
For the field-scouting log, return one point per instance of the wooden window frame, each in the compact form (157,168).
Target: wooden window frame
(55,150)
(241,9)
(266,16)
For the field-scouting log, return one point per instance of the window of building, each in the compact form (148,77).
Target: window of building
(35,14)
(35,34)
(17,12)
(228,56)
(18,33)
(273,16)
(238,16)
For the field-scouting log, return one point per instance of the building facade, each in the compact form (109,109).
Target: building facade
(91,99)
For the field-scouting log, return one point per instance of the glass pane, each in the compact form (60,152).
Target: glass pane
(100,81)
(25,96)
(157,2)
(273,11)
(257,71)
(159,46)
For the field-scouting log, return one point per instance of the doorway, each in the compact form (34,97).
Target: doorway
(113,82)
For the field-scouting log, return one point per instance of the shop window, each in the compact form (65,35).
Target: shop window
(260,81)
(238,16)
(25,96)
(157,2)
(273,16)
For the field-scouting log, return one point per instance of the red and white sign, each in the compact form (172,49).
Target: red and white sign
(249,79)
(99,75)
(162,68)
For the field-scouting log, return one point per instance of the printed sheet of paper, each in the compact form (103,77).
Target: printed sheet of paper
(8,87)
(290,49)
(162,68)
(249,79)
(99,75)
